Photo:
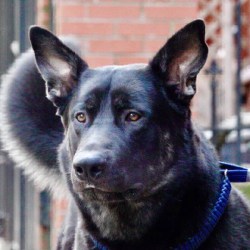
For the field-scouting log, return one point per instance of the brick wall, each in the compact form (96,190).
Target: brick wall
(121,31)
(245,33)
(43,17)
(58,213)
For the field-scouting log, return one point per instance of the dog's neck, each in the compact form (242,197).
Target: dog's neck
(118,226)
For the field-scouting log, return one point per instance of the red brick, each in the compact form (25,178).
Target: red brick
(154,45)
(143,29)
(177,2)
(79,28)
(114,46)
(178,25)
(70,11)
(170,12)
(73,2)
(129,59)
(58,212)
(96,61)
(114,11)
(42,14)
(123,1)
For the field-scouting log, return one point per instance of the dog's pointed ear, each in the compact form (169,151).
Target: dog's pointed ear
(179,61)
(59,66)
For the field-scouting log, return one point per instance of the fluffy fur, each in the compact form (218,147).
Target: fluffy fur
(31,140)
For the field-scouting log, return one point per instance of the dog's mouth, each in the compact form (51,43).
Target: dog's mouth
(107,191)
(91,192)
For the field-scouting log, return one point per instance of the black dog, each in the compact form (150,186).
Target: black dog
(141,176)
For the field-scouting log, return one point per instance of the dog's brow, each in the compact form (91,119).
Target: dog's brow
(91,101)
(92,96)
(120,100)
(130,97)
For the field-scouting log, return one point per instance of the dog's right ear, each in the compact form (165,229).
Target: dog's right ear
(59,66)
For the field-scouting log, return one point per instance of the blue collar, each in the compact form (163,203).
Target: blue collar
(230,173)
(234,172)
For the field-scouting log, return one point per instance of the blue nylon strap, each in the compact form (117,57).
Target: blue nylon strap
(234,172)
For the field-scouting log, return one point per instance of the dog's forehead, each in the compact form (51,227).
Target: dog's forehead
(133,78)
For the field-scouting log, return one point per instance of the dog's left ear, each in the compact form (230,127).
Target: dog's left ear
(179,61)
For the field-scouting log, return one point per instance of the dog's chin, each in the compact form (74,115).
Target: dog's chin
(94,194)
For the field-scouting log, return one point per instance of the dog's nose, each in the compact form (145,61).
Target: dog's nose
(90,166)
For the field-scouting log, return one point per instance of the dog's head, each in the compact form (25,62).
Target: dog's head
(121,122)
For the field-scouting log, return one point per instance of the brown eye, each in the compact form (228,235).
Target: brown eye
(81,117)
(133,117)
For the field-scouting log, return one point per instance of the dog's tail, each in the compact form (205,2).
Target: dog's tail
(30,130)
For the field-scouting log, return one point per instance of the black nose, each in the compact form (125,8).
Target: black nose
(91,166)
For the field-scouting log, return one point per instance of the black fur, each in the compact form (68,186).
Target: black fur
(141,176)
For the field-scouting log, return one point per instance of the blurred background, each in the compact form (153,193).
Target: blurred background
(122,32)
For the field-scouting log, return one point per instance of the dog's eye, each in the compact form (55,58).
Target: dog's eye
(133,117)
(81,117)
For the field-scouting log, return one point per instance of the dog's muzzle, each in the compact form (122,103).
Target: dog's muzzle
(92,173)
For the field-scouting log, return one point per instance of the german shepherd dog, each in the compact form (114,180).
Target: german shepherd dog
(140,174)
